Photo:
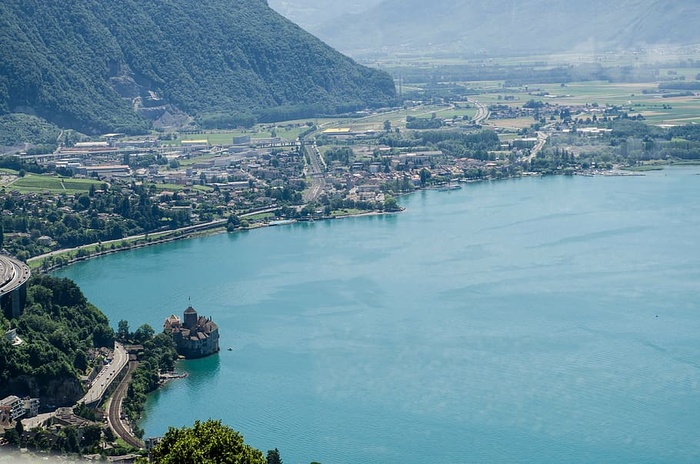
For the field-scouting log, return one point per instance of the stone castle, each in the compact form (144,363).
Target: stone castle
(195,336)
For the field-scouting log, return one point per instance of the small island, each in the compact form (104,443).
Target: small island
(195,336)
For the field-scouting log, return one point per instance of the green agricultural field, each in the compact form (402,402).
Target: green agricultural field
(657,110)
(678,111)
(288,131)
(688,73)
(347,212)
(458,113)
(53,184)
(194,160)
(179,187)
(261,216)
(82,185)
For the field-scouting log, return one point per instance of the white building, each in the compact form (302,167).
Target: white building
(15,405)
(31,406)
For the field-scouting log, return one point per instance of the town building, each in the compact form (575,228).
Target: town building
(30,406)
(14,406)
(195,336)
(12,337)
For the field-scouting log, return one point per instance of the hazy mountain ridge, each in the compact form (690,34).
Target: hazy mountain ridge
(87,64)
(311,14)
(503,26)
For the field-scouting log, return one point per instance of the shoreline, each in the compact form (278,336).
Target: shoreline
(203,230)
(219,226)
(165,379)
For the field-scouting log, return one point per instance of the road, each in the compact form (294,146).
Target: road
(541,141)
(184,230)
(106,376)
(13,274)
(187,229)
(316,171)
(115,406)
(482,112)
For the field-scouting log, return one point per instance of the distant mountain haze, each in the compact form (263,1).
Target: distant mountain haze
(101,66)
(311,14)
(514,26)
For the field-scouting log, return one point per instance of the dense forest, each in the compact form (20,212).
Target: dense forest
(19,128)
(61,331)
(88,65)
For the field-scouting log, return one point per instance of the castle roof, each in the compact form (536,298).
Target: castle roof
(190,310)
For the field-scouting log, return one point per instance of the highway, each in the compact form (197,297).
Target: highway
(106,376)
(541,141)
(482,112)
(316,171)
(13,274)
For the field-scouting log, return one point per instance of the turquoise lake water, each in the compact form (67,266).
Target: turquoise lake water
(538,320)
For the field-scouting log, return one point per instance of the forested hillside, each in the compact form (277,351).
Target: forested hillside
(89,64)
(60,330)
(514,26)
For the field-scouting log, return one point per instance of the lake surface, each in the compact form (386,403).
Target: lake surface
(530,320)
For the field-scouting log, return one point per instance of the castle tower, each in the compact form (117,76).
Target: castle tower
(190,317)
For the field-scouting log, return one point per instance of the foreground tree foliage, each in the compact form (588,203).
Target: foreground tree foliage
(207,443)
(273,457)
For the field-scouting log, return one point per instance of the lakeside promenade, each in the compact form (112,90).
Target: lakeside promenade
(133,241)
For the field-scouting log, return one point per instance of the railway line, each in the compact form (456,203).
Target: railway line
(115,406)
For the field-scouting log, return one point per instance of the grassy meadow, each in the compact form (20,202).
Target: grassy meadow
(52,184)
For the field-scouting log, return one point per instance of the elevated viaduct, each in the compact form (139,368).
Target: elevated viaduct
(14,275)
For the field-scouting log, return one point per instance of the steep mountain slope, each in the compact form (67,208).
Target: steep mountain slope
(515,26)
(87,64)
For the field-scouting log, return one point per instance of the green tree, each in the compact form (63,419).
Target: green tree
(206,442)
(72,444)
(233,223)
(387,126)
(390,204)
(143,333)
(424,176)
(273,457)
(91,436)
(12,437)
(123,330)
(19,427)
(81,360)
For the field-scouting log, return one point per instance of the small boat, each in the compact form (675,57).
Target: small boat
(230,349)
